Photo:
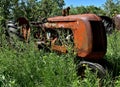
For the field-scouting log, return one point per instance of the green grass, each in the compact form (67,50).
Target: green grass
(113,51)
(32,68)
(25,66)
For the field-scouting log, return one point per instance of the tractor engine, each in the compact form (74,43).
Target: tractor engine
(84,33)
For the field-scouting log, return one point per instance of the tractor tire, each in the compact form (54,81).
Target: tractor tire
(94,67)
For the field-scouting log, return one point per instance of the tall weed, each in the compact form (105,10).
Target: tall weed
(25,66)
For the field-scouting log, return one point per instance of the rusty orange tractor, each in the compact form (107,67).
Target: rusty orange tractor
(83,33)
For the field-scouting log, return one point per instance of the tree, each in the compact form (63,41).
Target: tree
(31,9)
(86,9)
(110,7)
(81,9)
(5,10)
(51,7)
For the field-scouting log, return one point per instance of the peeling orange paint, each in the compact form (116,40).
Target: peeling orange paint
(84,28)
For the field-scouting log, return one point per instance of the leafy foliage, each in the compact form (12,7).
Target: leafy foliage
(25,66)
(111,7)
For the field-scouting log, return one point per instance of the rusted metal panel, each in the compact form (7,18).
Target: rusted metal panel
(73,18)
(85,39)
(81,40)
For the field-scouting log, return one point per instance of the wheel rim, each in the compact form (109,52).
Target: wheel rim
(95,67)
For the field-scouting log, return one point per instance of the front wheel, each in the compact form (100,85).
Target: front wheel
(94,67)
